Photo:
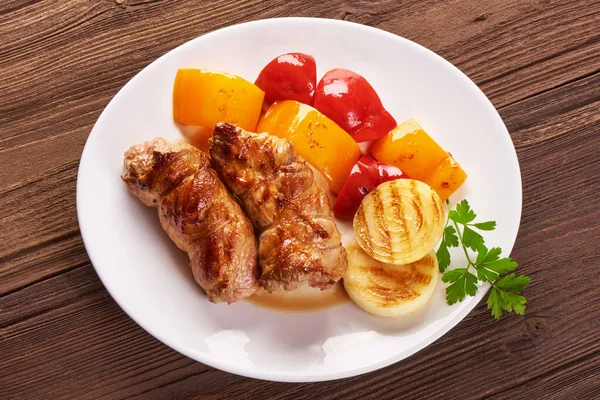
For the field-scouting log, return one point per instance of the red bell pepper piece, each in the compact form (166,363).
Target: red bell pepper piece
(365,176)
(352,103)
(291,76)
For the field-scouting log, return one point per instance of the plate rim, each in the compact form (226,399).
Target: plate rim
(296,377)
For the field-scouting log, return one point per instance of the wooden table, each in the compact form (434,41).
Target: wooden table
(62,335)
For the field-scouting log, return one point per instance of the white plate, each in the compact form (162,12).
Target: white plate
(150,278)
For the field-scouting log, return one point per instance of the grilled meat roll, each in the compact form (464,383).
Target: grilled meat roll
(298,240)
(198,214)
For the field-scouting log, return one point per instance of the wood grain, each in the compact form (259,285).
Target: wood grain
(62,336)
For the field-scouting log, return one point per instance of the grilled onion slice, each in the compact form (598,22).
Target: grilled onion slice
(400,221)
(389,290)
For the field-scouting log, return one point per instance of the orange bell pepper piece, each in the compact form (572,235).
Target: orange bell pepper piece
(447,178)
(316,138)
(205,98)
(411,149)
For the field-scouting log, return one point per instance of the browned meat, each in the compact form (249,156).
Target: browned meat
(198,214)
(299,240)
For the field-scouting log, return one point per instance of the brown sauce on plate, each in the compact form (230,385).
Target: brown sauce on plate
(302,299)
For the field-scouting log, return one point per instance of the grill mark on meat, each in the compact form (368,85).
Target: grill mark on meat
(319,231)
(266,195)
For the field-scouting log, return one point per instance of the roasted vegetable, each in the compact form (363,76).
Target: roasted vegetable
(411,149)
(389,290)
(348,99)
(365,176)
(205,98)
(291,76)
(400,221)
(446,178)
(316,138)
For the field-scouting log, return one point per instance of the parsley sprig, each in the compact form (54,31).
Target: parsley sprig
(462,230)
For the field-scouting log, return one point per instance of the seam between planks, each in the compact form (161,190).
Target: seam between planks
(67,235)
(23,318)
(534,95)
(44,278)
(552,371)
(183,378)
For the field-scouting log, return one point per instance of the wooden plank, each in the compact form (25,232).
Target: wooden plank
(578,380)
(40,236)
(64,337)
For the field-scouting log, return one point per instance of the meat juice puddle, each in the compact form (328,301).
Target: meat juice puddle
(305,298)
(302,299)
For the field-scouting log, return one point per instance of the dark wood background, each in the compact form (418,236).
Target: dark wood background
(61,334)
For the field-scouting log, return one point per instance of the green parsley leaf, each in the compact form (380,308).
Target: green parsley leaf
(472,239)
(482,252)
(443,256)
(513,302)
(463,213)
(513,284)
(485,226)
(454,275)
(463,283)
(483,255)
(504,295)
(501,266)
(489,267)
(450,237)
(485,274)
(492,255)
(494,303)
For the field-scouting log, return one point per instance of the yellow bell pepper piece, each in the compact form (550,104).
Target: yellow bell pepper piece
(447,178)
(316,138)
(411,149)
(205,98)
